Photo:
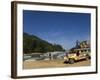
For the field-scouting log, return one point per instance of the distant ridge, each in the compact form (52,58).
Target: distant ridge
(32,44)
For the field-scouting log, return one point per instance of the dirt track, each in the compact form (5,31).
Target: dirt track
(53,63)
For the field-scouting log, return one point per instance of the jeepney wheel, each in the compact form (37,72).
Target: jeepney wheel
(71,61)
(87,57)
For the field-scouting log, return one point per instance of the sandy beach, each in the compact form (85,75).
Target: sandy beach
(29,64)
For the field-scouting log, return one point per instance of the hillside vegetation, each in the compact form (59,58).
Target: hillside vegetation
(32,44)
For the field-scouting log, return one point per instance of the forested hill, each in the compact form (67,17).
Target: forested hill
(32,44)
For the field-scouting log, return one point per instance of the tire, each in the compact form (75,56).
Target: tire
(71,61)
(66,62)
(87,57)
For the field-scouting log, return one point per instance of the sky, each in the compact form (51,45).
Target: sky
(63,28)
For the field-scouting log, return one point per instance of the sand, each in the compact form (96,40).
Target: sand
(29,64)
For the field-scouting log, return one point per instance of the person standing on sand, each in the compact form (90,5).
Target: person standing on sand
(50,56)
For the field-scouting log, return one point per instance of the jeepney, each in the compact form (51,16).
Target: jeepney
(77,54)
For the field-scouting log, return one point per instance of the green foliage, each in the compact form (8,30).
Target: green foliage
(33,44)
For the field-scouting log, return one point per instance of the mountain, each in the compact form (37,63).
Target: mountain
(34,44)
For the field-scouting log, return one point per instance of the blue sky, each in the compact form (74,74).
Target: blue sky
(62,28)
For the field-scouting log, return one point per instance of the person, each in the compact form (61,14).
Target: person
(77,53)
(50,56)
(66,54)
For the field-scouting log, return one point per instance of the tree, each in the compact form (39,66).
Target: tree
(32,44)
